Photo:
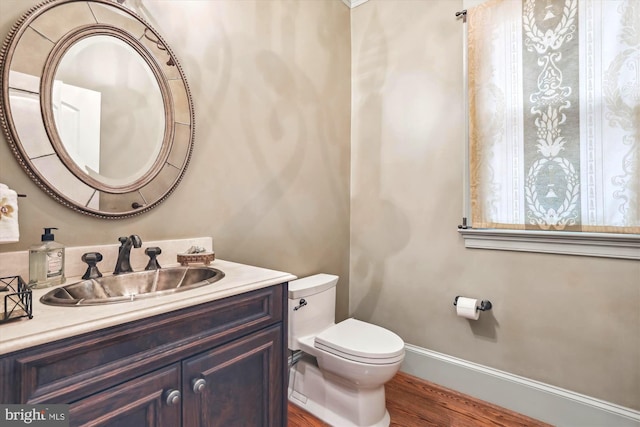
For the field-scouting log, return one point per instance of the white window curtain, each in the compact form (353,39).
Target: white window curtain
(554,115)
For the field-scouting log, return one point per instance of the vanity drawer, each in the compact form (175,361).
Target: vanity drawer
(67,370)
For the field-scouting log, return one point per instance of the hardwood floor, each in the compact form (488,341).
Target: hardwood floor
(413,402)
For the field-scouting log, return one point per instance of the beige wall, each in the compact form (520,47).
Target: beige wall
(269,180)
(269,176)
(564,320)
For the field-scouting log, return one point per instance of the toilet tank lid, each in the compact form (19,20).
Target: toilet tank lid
(311,285)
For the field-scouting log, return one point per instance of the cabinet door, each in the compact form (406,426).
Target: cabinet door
(236,384)
(153,400)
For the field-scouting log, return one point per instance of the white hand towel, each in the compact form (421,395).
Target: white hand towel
(9,229)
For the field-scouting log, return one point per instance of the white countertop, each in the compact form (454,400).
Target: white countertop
(51,323)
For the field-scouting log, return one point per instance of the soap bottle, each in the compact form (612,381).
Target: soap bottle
(46,262)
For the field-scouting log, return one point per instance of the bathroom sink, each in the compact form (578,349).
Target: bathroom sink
(132,286)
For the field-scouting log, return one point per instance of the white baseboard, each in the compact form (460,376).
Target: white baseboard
(537,400)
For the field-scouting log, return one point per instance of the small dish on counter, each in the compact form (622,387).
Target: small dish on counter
(205,258)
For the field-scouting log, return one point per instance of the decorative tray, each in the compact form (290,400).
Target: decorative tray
(197,258)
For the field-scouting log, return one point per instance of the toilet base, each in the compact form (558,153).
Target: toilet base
(334,400)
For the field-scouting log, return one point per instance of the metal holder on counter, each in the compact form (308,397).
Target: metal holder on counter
(16,298)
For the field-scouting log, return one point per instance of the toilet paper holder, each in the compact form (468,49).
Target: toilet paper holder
(484,304)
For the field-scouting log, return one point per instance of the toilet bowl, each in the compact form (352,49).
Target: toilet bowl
(340,369)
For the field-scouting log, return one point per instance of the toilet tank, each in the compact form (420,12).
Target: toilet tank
(319,293)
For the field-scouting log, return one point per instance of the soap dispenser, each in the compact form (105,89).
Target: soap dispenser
(46,262)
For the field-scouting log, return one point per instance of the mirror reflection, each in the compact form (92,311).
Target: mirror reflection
(105,96)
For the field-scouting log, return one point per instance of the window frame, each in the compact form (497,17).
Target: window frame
(603,245)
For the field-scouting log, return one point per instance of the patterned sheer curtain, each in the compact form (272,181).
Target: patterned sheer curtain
(554,115)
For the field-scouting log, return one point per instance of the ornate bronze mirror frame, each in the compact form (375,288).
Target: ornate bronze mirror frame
(95,107)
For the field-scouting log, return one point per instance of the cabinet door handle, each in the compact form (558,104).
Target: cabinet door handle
(198,385)
(173,397)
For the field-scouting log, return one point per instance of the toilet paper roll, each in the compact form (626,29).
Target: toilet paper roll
(466,307)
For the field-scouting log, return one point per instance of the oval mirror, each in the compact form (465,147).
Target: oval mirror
(88,81)
(95,107)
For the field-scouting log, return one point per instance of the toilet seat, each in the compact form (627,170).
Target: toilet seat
(361,342)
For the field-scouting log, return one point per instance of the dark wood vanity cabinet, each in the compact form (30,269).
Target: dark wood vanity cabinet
(240,382)
(221,363)
(137,402)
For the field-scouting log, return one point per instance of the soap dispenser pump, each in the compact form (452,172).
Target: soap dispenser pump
(46,262)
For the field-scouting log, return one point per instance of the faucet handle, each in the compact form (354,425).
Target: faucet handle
(122,241)
(153,252)
(92,258)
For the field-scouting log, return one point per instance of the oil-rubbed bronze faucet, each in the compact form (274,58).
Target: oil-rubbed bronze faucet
(123,264)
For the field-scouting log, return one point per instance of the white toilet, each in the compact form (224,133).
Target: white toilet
(340,373)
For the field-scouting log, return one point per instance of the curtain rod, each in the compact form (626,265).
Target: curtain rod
(463,14)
